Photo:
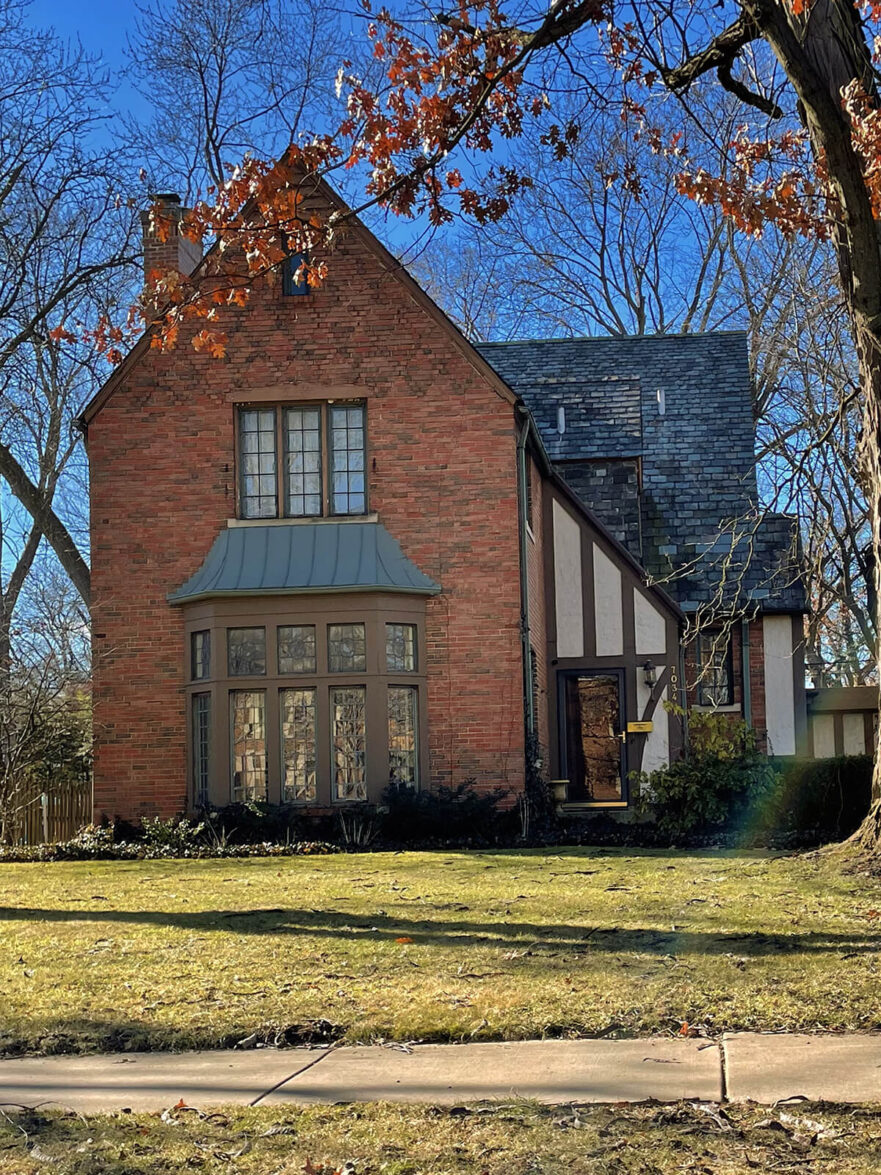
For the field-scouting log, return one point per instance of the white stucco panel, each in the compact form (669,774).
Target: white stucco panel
(608,605)
(568,586)
(779,685)
(823,730)
(854,731)
(651,634)
(656,752)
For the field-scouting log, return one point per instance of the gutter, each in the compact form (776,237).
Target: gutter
(525,643)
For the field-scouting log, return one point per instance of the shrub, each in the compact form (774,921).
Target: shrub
(446,814)
(723,780)
(819,800)
(177,834)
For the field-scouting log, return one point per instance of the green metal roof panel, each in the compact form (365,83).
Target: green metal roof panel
(304,557)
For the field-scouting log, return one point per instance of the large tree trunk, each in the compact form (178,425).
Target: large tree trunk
(823,50)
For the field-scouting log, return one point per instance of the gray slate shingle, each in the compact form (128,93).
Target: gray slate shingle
(698,466)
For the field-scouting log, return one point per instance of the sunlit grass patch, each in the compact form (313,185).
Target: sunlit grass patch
(431,946)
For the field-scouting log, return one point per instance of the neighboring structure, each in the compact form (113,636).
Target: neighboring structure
(345,554)
(842,720)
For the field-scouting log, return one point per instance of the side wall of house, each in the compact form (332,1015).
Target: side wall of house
(441,476)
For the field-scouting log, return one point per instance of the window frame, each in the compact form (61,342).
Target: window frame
(375,611)
(713,638)
(279,408)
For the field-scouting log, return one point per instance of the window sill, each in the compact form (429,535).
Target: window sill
(235,522)
(734,708)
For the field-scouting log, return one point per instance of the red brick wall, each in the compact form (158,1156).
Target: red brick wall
(442,476)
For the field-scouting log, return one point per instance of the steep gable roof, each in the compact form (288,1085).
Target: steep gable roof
(360,232)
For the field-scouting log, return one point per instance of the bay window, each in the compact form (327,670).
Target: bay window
(308,706)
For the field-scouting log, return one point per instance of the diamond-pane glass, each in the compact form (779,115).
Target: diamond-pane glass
(348,713)
(400,647)
(246,652)
(346,427)
(303,462)
(296,648)
(403,759)
(258,489)
(298,745)
(346,648)
(248,744)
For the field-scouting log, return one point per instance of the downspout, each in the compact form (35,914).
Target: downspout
(744,669)
(526,647)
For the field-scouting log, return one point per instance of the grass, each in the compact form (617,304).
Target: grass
(443,946)
(515,1139)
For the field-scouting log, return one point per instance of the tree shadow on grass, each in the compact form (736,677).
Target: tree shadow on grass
(461,932)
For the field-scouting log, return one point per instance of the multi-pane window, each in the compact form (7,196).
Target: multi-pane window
(297,713)
(201,747)
(200,655)
(400,648)
(715,685)
(346,648)
(298,746)
(250,776)
(348,494)
(320,450)
(303,462)
(348,716)
(296,648)
(246,652)
(402,752)
(258,492)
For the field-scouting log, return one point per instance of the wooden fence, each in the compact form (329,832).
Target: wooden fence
(46,817)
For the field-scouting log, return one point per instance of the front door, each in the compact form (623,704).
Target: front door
(593,722)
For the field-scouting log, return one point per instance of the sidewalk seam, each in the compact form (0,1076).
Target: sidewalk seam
(290,1077)
(723,1065)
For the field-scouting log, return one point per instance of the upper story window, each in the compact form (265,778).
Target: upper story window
(715,685)
(302,461)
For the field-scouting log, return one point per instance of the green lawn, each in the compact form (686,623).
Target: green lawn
(515,1139)
(442,946)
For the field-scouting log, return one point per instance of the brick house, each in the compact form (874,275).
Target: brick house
(359,549)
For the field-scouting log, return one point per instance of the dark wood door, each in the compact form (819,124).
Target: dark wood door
(594,746)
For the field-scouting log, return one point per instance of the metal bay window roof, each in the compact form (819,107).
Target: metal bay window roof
(304,557)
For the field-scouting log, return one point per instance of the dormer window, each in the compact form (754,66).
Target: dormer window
(302,461)
(294,283)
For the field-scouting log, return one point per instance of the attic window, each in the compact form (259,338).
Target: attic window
(293,282)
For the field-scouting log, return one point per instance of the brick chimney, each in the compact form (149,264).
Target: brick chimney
(177,252)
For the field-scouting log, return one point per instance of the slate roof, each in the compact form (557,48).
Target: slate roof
(304,557)
(683,404)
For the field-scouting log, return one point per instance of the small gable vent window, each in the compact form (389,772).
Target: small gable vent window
(293,279)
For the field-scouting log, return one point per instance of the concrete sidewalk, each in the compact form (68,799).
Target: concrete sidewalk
(742,1067)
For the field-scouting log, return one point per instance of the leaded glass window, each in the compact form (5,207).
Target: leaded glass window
(200,655)
(296,648)
(346,648)
(348,494)
(201,747)
(715,686)
(348,710)
(258,489)
(248,744)
(246,652)
(400,648)
(303,462)
(402,739)
(298,745)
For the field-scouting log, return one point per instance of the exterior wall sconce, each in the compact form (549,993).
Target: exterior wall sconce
(649,673)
